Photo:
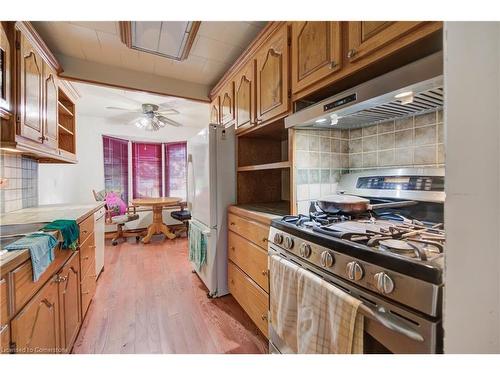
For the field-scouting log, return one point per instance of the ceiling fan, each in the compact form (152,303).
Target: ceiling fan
(152,118)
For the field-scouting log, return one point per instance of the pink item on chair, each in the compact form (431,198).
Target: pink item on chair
(115,203)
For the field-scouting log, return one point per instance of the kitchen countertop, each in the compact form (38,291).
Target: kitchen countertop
(41,214)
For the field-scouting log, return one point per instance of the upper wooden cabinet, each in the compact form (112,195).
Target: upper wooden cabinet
(316,52)
(272,76)
(366,37)
(244,97)
(50,107)
(227,104)
(215,111)
(5,70)
(36,328)
(30,93)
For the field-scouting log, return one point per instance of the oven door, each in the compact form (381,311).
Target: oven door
(387,328)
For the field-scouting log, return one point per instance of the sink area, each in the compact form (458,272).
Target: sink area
(11,233)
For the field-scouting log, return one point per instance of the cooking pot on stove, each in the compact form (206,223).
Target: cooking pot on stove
(352,204)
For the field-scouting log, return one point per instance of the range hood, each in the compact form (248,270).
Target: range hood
(413,89)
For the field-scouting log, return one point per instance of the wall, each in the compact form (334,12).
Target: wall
(472,208)
(60,183)
(19,182)
(323,155)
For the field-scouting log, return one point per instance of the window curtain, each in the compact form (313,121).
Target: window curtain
(115,153)
(146,169)
(176,170)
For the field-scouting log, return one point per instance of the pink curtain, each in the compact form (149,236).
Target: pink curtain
(176,170)
(115,153)
(146,169)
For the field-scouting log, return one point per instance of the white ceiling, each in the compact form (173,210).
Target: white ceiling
(94,100)
(216,47)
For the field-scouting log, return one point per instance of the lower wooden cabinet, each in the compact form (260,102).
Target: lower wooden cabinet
(4,339)
(250,296)
(88,287)
(69,301)
(36,328)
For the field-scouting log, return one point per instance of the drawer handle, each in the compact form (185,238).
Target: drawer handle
(60,279)
(92,246)
(264,240)
(85,258)
(264,273)
(85,292)
(85,231)
(263,317)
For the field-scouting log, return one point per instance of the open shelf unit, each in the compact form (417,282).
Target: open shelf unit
(66,124)
(264,169)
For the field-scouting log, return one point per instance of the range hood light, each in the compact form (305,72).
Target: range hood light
(405,97)
(334,119)
(321,120)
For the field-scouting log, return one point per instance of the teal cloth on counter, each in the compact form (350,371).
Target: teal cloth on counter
(41,247)
(197,246)
(70,232)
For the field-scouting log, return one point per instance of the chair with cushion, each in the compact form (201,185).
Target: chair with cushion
(184,216)
(113,216)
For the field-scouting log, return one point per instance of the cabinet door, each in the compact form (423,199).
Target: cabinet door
(316,52)
(69,302)
(227,104)
(272,76)
(214,111)
(30,106)
(5,51)
(50,107)
(36,328)
(244,96)
(366,37)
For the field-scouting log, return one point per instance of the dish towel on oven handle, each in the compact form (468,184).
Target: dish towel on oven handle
(328,318)
(197,244)
(283,307)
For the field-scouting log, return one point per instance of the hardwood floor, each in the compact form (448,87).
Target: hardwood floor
(149,301)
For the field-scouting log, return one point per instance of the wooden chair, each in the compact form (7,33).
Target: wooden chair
(120,221)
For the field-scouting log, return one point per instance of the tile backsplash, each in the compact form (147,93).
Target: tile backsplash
(321,156)
(19,188)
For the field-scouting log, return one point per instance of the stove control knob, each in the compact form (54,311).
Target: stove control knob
(384,283)
(278,238)
(305,250)
(288,243)
(327,259)
(354,271)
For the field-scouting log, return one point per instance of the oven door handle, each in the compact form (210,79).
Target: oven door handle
(391,322)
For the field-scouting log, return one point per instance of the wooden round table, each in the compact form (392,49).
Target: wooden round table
(157,204)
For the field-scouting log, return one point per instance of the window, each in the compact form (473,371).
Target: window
(176,170)
(146,170)
(115,152)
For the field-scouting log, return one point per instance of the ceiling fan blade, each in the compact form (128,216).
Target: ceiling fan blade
(168,111)
(124,109)
(166,120)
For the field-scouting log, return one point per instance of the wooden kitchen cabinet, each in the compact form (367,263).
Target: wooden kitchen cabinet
(30,90)
(367,37)
(316,52)
(69,302)
(215,111)
(50,107)
(36,328)
(4,339)
(272,77)
(244,97)
(227,104)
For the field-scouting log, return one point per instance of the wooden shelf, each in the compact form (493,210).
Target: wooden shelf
(65,109)
(260,167)
(65,129)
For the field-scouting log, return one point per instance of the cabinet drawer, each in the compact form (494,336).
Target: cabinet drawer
(4,302)
(4,338)
(250,296)
(22,278)
(86,228)
(87,255)
(251,230)
(250,258)
(88,287)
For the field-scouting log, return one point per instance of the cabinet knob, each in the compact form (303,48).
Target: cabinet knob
(333,65)
(264,273)
(259,121)
(231,223)
(263,317)
(233,248)
(351,53)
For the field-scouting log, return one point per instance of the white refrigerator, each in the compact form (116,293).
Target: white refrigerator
(211,189)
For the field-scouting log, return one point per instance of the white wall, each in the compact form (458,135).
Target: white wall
(61,183)
(472,120)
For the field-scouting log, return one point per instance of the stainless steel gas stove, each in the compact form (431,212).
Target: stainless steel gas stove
(391,259)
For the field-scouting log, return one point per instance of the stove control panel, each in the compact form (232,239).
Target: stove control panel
(413,183)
